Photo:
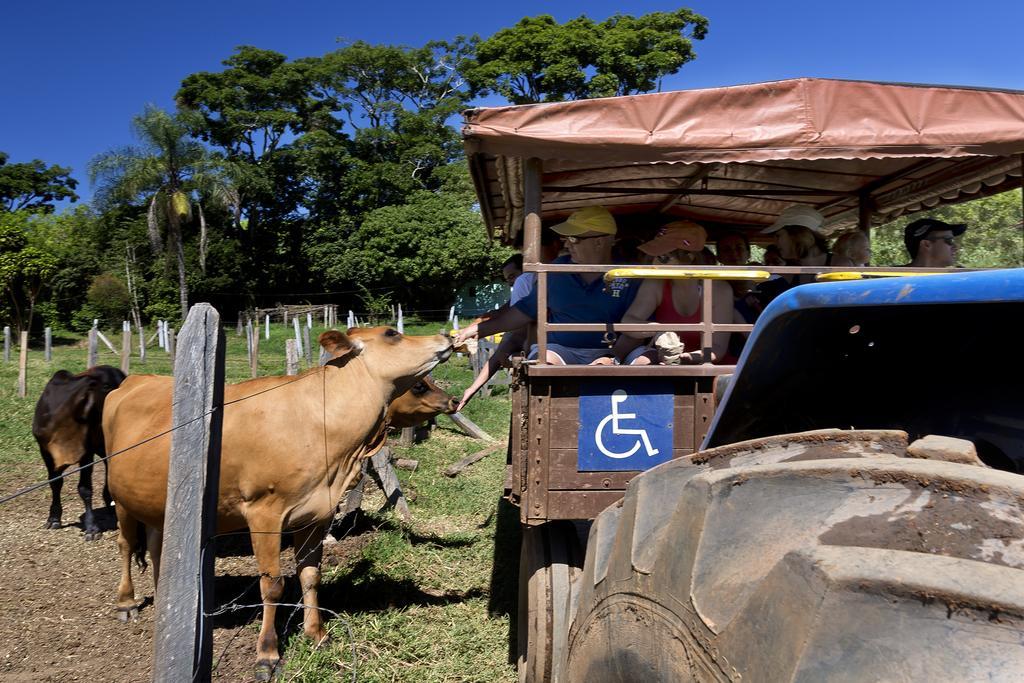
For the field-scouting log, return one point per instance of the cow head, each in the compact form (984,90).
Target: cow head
(69,407)
(388,354)
(424,401)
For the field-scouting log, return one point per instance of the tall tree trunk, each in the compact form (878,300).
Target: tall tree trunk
(175,242)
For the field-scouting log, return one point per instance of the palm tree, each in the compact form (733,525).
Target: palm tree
(171,171)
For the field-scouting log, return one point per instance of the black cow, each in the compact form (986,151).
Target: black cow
(69,429)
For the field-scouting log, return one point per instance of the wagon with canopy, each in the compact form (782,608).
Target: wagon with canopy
(781,532)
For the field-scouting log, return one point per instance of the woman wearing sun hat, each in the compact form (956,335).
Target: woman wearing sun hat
(674,301)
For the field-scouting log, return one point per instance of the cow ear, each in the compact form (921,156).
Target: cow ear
(338,346)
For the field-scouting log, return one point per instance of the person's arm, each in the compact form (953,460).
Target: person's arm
(721,312)
(502,321)
(648,297)
(510,343)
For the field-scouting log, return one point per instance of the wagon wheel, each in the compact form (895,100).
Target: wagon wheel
(820,556)
(550,561)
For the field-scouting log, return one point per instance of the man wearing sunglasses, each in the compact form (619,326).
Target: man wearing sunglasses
(589,235)
(932,243)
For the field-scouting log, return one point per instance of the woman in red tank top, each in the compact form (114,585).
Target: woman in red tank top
(675,301)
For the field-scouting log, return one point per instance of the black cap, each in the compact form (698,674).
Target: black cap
(919,229)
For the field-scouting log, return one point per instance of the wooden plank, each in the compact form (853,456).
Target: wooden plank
(516,436)
(7,344)
(171,341)
(535,502)
(562,473)
(456,467)
(23,366)
(630,370)
(182,641)
(307,349)
(579,504)
(48,344)
(103,338)
(381,462)
(469,427)
(705,410)
(126,350)
(408,437)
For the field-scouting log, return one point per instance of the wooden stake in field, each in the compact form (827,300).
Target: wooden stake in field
(254,361)
(183,641)
(48,344)
(170,346)
(23,366)
(92,358)
(307,347)
(248,342)
(298,335)
(126,348)
(142,344)
(400,325)
(291,357)
(309,322)
(7,344)
(266,326)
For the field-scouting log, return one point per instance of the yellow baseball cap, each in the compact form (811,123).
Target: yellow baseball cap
(587,219)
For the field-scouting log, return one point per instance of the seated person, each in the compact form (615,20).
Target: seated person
(799,241)
(572,297)
(676,301)
(932,243)
(851,249)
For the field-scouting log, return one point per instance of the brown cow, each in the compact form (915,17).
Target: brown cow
(424,401)
(291,446)
(67,428)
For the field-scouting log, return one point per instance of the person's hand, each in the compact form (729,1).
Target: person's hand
(604,360)
(468,394)
(465,333)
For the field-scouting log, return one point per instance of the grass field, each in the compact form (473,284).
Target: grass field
(432,600)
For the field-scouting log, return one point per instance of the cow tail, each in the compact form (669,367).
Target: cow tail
(139,551)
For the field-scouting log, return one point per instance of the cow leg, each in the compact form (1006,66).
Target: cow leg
(265,532)
(309,550)
(92,532)
(155,544)
(128,545)
(56,511)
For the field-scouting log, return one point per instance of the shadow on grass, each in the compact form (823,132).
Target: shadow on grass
(504,587)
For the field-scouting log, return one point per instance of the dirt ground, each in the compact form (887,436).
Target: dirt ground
(57,597)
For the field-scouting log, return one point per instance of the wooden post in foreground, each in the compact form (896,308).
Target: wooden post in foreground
(23,366)
(254,359)
(93,348)
(7,344)
(183,641)
(48,344)
(291,357)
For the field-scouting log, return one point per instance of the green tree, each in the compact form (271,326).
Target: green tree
(422,250)
(172,172)
(25,269)
(540,60)
(34,186)
(994,237)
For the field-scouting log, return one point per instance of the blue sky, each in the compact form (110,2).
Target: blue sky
(73,73)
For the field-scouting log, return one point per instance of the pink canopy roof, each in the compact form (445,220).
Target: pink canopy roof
(738,155)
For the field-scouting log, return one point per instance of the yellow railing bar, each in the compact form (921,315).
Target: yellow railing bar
(686,274)
(860,275)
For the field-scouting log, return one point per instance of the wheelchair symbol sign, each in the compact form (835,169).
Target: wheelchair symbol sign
(622,429)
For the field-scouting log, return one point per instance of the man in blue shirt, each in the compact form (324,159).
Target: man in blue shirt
(572,297)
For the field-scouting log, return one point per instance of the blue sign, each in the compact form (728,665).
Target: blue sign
(624,425)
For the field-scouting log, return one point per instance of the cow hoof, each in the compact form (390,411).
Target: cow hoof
(53,523)
(93,535)
(126,614)
(266,671)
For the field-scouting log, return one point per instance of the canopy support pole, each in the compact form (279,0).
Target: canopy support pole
(864,214)
(532,174)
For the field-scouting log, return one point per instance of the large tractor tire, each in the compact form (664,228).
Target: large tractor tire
(550,562)
(823,556)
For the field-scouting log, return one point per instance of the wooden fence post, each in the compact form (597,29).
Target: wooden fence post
(7,344)
(254,361)
(48,344)
(238,329)
(142,344)
(93,348)
(306,347)
(170,346)
(298,335)
(183,642)
(126,349)
(23,365)
(291,357)
(248,341)
(266,327)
